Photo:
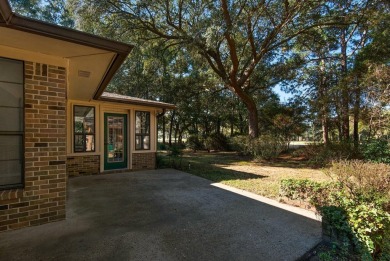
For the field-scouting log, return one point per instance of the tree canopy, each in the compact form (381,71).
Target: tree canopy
(220,60)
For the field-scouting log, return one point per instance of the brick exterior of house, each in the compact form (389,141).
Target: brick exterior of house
(43,197)
(144,160)
(83,165)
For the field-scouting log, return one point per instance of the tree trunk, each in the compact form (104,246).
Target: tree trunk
(250,104)
(344,90)
(356,114)
(323,99)
(231,128)
(253,121)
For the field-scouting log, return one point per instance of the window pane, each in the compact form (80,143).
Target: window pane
(84,118)
(11,71)
(138,142)
(84,128)
(11,147)
(138,124)
(11,94)
(10,172)
(90,143)
(142,128)
(79,143)
(146,142)
(11,119)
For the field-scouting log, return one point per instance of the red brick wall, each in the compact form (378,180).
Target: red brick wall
(144,160)
(43,198)
(83,165)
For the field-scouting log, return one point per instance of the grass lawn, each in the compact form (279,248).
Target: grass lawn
(260,177)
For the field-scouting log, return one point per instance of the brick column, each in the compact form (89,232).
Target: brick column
(43,198)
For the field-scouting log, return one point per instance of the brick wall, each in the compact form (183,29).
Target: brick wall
(83,165)
(43,198)
(144,160)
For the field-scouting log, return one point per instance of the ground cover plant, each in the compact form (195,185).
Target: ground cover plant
(355,206)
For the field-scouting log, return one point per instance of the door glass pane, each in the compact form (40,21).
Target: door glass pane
(11,94)
(11,119)
(10,172)
(115,139)
(11,71)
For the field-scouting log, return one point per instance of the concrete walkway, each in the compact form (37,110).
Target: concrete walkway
(162,215)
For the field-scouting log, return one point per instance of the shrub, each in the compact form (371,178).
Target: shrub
(175,155)
(216,141)
(315,193)
(240,144)
(362,180)
(355,206)
(377,150)
(161,146)
(267,147)
(320,155)
(194,142)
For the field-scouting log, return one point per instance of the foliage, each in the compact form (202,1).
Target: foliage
(52,11)
(266,146)
(240,143)
(216,141)
(313,192)
(321,155)
(355,207)
(194,142)
(376,150)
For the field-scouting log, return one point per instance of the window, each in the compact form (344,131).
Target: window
(84,128)
(11,123)
(142,130)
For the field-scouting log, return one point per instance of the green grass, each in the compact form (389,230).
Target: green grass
(262,178)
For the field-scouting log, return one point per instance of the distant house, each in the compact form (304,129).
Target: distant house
(56,120)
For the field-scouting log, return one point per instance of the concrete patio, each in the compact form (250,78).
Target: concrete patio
(162,215)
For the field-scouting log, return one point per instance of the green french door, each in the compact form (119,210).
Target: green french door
(115,141)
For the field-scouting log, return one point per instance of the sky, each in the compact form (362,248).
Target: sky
(282,95)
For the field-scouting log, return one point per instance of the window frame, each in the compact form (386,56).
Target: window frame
(18,133)
(84,134)
(142,135)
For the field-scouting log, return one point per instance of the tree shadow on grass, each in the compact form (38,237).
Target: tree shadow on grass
(234,158)
(206,168)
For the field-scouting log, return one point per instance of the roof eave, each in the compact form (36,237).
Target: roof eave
(141,103)
(17,22)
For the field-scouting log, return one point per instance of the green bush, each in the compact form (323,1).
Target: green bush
(320,155)
(267,147)
(161,146)
(377,150)
(240,144)
(355,206)
(194,142)
(216,141)
(312,192)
